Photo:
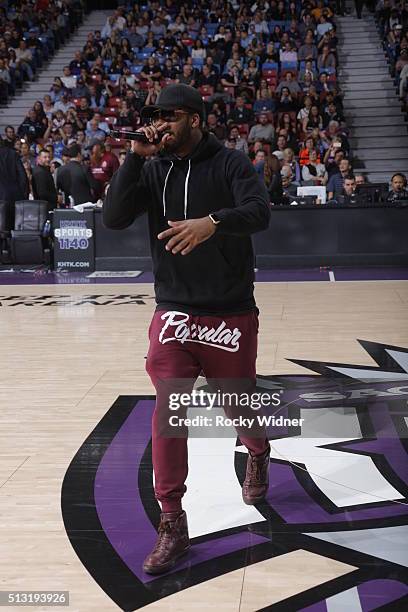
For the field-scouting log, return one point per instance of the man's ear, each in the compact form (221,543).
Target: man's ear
(196,122)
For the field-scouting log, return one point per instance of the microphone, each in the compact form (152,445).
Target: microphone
(124,135)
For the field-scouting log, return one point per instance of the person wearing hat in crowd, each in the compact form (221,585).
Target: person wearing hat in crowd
(74,179)
(204,201)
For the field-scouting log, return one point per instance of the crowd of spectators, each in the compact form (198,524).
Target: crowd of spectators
(267,71)
(30,33)
(392,21)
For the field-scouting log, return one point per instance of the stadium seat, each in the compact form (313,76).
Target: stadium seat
(114,102)
(270,66)
(27,243)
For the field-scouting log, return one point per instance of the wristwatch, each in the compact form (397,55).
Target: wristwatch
(214,218)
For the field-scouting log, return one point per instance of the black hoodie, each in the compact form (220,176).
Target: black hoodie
(217,276)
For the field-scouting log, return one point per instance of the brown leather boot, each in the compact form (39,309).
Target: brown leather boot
(172,543)
(257,478)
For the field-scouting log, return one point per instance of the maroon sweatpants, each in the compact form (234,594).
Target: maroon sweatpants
(181,346)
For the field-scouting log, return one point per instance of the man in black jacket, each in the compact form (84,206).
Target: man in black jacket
(43,183)
(74,179)
(13,181)
(203,202)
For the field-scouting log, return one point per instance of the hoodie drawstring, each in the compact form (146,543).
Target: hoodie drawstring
(164,188)
(185,188)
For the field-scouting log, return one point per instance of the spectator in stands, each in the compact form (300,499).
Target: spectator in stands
(85,113)
(308,146)
(286,103)
(289,188)
(240,143)
(314,172)
(305,110)
(313,120)
(332,114)
(263,130)
(326,59)
(264,101)
(289,160)
(273,179)
(308,70)
(323,86)
(398,189)
(360,179)
(240,114)
(187,76)
(288,53)
(93,132)
(25,60)
(308,51)
(5,82)
(68,80)
(349,189)
(336,181)
(9,137)
(103,166)
(289,83)
(215,127)
(324,25)
(74,179)
(48,106)
(31,127)
(333,156)
(64,103)
(42,181)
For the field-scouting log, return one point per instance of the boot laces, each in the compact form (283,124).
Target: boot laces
(165,530)
(257,467)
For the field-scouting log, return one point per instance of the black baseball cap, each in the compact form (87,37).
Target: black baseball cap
(177,95)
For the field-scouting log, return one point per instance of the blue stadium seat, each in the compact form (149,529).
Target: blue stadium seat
(289,66)
(211,29)
(327,70)
(270,66)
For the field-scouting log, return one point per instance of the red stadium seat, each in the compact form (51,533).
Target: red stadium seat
(206,90)
(114,101)
(230,91)
(244,129)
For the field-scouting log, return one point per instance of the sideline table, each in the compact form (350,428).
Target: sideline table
(297,236)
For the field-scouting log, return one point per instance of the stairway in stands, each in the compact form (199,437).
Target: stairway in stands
(378,130)
(18,107)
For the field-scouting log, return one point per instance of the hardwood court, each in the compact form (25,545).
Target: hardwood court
(64,364)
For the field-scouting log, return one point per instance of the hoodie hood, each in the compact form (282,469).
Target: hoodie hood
(206,148)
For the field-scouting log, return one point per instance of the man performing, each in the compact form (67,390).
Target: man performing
(203,201)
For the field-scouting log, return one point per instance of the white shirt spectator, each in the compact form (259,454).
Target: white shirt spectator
(63,106)
(322,28)
(69,81)
(288,56)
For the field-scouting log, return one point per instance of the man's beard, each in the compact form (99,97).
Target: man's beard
(178,141)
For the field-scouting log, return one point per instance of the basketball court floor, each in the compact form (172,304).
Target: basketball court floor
(77,512)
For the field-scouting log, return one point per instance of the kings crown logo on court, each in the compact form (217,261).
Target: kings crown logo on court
(73,234)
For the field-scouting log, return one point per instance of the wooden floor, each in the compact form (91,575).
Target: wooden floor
(63,366)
